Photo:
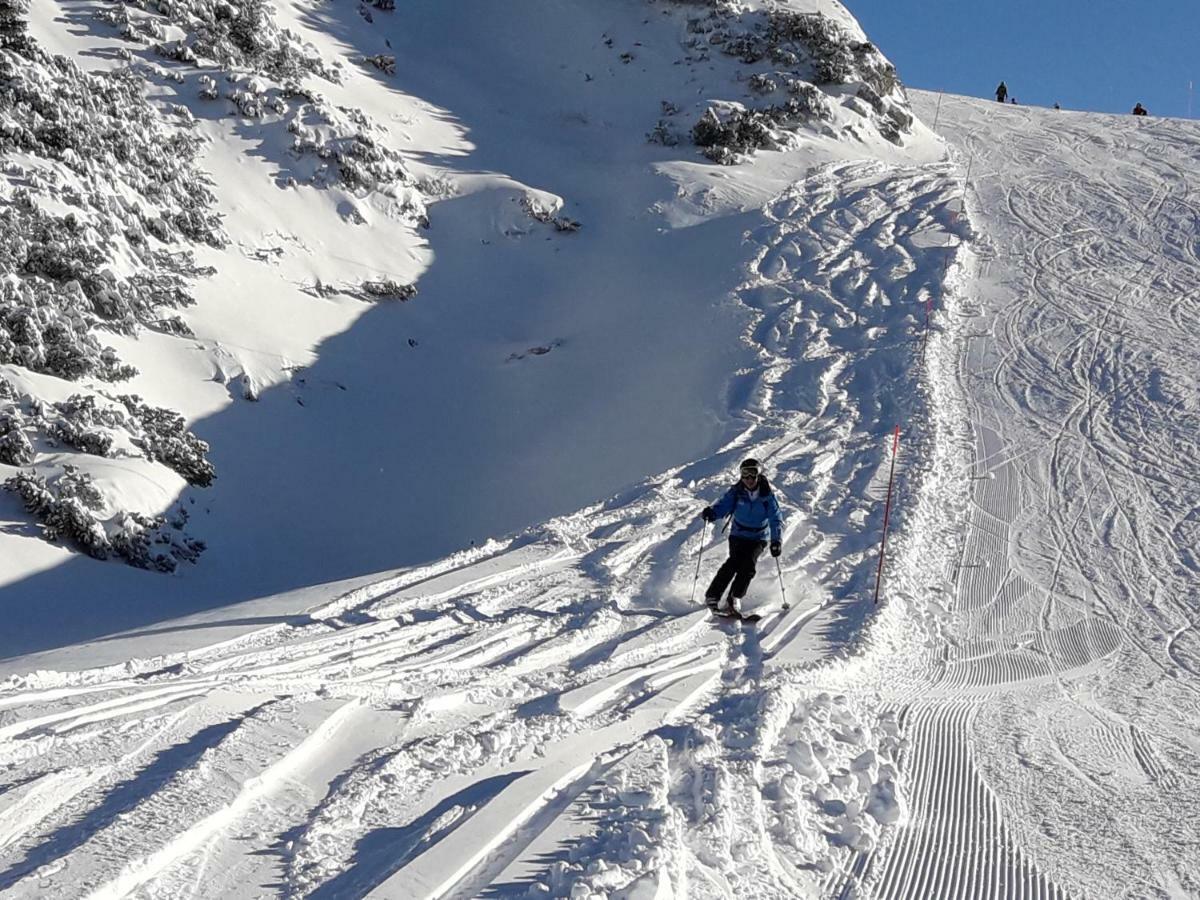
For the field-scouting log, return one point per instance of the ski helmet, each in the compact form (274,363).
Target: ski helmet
(750,467)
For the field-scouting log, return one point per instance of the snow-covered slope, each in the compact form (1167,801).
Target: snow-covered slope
(1053,717)
(546,713)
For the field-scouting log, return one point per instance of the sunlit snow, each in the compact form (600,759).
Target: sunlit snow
(445,639)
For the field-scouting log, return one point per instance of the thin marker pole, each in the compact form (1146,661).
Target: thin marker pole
(782,592)
(699,556)
(887,510)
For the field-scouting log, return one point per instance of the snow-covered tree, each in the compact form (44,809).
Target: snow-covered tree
(164,438)
(12,24)
(15,449)
(93,138)
(66,509)
(85,425)
(800,61)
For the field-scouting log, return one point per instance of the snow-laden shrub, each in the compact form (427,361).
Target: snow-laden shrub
(254,101)
(806,101)
(46,328)
(76,485)
(726,132)
(85,425)
(101,126)
(384,62)
(739,131)
(164,438)
(132,539)
(807,50)
(15,449)
(172,325)
(893,120)
(146,542)
(143,295)
(13,34)
(82,422)
(437,186)
(663,133)
(103,129)
(243,37)
(208,88)
(387,289)
(66,509)
(836,56)
(547,215)
(129,175)
(240,35)
(56,248)
(353,158)
(91,441)
(762,83)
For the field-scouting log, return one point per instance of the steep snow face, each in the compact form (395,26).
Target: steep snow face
(468,282)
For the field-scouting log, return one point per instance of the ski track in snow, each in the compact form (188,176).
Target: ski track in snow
(1039,745)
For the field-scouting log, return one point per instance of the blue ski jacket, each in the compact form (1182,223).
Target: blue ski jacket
(751,518)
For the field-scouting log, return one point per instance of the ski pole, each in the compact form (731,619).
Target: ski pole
(699,556)
(779,569)
(887,509)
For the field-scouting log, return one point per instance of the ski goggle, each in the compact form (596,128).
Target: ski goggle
(749,473)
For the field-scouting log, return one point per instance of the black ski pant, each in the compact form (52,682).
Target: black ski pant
(739,568)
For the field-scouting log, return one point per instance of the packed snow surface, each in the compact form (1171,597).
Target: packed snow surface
(471,660)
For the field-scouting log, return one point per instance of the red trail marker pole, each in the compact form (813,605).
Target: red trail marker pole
(887,510)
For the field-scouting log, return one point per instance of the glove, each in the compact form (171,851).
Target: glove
(776,548)
(707,514)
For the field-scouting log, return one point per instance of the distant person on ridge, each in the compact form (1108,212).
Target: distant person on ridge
(1140,110)
(1001,92)
(752,506)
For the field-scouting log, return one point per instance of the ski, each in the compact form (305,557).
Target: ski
(740,617)
(735,616)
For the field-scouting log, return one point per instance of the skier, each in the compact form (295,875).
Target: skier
(1001,92)
(753,509)
(1140,110)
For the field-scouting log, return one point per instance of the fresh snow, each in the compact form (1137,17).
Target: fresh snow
(443,641)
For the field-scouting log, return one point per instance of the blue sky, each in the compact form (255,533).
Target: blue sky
(1100,55)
